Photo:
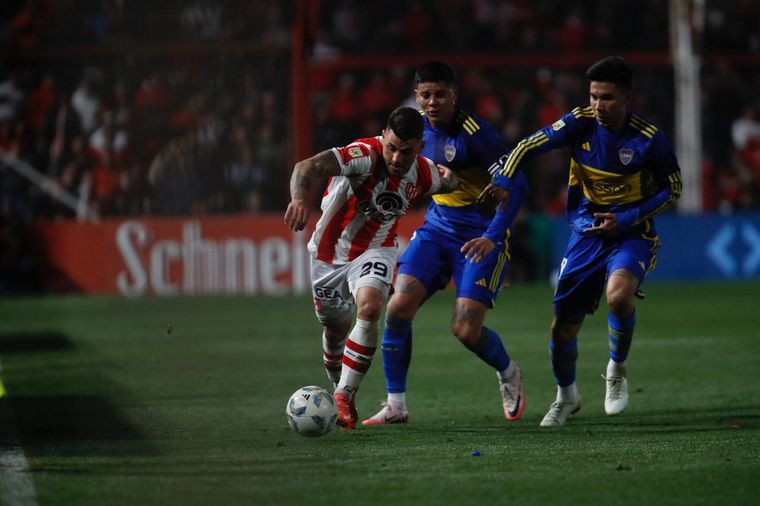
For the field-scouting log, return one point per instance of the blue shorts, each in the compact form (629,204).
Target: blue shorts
(587,263)
(433,258)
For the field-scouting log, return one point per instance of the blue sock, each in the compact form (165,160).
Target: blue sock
(620,335)
(397,352)
(563,358)
(491,350)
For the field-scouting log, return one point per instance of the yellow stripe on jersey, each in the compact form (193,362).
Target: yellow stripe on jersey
(493,285)
(643,126)
(519,152)
(606,188)
(574,178)
(583,112)
(674,180)
(472,181)
(647,234)
(469,124)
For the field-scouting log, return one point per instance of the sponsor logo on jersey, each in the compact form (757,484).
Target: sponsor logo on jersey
(449,152)
(626,155)
(387,206)
(608,187)
(557,125)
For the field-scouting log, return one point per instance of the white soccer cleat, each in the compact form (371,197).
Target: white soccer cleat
(389,414)
(512,397)
(559,411)
(616,396)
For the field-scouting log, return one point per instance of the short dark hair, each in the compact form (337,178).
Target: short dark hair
(433,72)
(406,123)
(612,69)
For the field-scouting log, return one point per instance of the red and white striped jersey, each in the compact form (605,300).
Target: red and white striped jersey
(361,207)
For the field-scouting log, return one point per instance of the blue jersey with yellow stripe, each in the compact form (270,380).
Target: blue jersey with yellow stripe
(474,151)
(633,173)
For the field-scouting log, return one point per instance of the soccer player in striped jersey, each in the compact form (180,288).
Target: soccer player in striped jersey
(622,172)
(460,240)
(353,249)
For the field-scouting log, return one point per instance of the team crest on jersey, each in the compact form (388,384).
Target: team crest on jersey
(626,155)
(412,191)
(449,152)
(355,152)
(558,125)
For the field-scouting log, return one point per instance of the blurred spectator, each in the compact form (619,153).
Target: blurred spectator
(86,101)
(746,128)
(11,98)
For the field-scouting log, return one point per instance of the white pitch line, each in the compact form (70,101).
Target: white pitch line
(16,484)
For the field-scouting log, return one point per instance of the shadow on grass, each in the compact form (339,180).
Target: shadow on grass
(38,341)
(68,424)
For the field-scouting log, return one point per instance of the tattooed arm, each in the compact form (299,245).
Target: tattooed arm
(305,173)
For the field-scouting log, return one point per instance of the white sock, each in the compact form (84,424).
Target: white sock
(568,393)
(615,368)
(357,355)
(507,373)
(398,399)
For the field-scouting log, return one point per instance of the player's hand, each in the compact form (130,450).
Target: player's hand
(297,215)
(449,180)
(493,193)
(604,223)
(476,249)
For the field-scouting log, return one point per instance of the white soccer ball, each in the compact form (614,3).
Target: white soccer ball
(311,411)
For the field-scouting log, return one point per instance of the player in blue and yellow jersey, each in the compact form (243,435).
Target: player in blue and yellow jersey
(460,240)
(622,172)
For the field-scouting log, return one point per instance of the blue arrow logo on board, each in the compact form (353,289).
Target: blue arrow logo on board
(752,237)
(717,250)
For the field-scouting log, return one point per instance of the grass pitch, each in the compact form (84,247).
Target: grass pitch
(164,401)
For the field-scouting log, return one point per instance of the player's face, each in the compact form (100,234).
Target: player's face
(399,155)
(437,101)
(609,104)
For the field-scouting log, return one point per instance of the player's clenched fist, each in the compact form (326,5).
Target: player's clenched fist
(297,215)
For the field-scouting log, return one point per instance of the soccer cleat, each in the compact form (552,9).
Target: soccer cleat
(347,414)
(559,411)
(616,396)
(512,397)
(389,414)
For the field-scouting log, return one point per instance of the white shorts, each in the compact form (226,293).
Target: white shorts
(334,286)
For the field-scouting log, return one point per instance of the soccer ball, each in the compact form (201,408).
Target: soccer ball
(311,411)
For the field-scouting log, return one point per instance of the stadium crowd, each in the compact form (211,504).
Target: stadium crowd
(183,107)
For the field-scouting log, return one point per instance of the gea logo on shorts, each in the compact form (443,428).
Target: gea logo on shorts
(324,292)
(387,206)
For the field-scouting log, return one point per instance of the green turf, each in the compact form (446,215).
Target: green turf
(111,408)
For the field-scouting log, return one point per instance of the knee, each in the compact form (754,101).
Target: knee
(398,308)
(469,335)
(564,333)
(620,303)
(369,310)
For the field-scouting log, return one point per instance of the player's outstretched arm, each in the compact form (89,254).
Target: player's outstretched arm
(305,173)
